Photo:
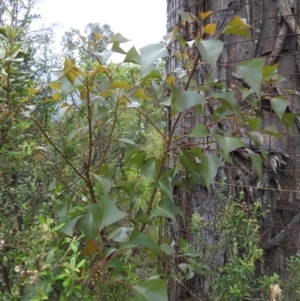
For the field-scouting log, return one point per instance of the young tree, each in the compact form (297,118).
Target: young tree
(274,26)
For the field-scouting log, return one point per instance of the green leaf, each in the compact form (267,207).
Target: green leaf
(88,227)
(199,130)
(118,38)
(228,144)
(272,130)
(126,140)
(156,121)
(166,248)
(228,99)
(65,85)
(254,123)
(132,56)
(210,50)
(279,105)
(269,71)
(151,290)
(116,48)
(104,178)
(102,56)
(165,187)
(237,31)
(76,131)
(184,100)
(256,164)
(63,111)
(117,265)
(139,239)
(251,72)
(187,159)
(238,26)
(209,168)
(149,169)
(149,54)
(128,187)
(166,208)
(288,120)
(69,227)
(105,212)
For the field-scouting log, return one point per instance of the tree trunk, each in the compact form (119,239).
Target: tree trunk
(275,35)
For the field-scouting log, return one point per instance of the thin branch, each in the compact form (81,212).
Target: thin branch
(57,149)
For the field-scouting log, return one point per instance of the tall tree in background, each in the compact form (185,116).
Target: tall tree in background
(93,33)
(274,29)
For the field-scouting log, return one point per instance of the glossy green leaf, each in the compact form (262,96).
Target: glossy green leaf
(279,105)
(128,187)
(272,130)
(117,265)
(251,72)
(220,113)
(149,54)
(139,239)
(149,169)
(209,168)
(228,144)
(199,130)
(184,100)
(104,178)
(165,187)
(237,31)
(187,159)
(88,227)
(81,130)
(69,227)
(228,99)
(268,71)
(166,248)
(254,123)
(105,212)
(63,111)
(288,120)
(210,50)
(102,56)
(121,234)
(118,38)
(65,85)
(166,208)
(256,164)
(238,26)
(116,48)
(151,290)
(132,56)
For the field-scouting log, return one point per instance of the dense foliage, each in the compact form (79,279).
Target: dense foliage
(86,184)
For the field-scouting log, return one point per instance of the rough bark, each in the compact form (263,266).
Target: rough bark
(275,35)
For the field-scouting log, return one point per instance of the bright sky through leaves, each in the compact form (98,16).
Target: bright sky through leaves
(143,22)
